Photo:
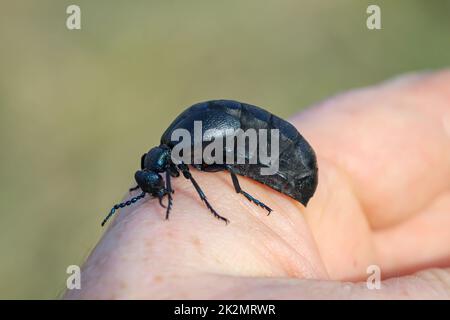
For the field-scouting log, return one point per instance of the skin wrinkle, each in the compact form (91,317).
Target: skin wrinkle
(305,271)
(229,287)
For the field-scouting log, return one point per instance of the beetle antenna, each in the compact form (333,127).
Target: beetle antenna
(121,205)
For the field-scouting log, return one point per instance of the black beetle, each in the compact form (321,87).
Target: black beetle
(297,166)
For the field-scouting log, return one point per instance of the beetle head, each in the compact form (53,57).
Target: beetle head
(149,181)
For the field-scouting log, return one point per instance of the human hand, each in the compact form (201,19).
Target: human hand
(383,199)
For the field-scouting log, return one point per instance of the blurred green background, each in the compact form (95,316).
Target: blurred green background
(78,108)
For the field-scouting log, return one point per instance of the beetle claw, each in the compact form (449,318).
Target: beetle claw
(160,202)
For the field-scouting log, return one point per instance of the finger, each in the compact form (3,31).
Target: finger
(392,140)
(419,243)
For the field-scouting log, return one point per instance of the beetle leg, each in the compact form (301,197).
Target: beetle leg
(169,194)
(185,170)
(238,189)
